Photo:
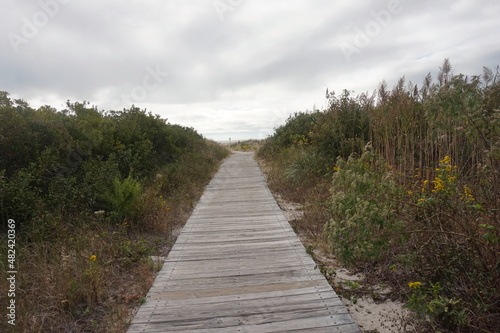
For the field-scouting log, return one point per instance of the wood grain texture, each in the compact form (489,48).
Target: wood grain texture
(237,266)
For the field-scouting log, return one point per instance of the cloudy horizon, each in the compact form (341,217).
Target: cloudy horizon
(234,68)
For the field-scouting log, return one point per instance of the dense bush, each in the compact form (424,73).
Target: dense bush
(93,194)
(364,219)
(310,142)
(426,203)
(81,157)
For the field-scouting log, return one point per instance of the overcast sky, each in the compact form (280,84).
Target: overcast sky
(233,68)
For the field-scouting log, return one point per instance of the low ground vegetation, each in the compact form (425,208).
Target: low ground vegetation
(404,185)
(94,194)
(246,145)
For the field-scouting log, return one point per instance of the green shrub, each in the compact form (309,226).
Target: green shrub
(305,163)
(364,216)
(430,304)
(344,127)
(121,198)
(19,199)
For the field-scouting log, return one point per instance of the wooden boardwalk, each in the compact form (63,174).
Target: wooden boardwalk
(237,266)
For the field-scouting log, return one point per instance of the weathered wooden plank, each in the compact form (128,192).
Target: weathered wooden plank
(237,316)
(335,322)
(208,291)
(260,306)
(320,292)
(274,297)
(224,268)
(236,281)
(237,266)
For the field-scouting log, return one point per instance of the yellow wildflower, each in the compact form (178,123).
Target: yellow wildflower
(93,258)
(424,185)
(421,200)
(336,168)
(410,192)
(445,160)
(438,185)
(414,285)
(468,193)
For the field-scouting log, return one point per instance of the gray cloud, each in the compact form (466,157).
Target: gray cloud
(242,74)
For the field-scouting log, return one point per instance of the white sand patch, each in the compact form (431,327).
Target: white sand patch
(386,317)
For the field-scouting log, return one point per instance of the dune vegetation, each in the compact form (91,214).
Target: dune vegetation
(404,185)
(93,195)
